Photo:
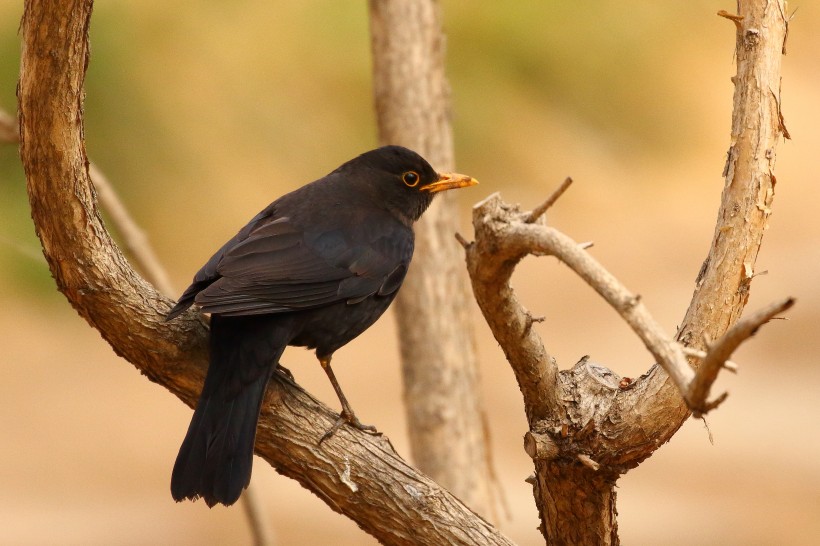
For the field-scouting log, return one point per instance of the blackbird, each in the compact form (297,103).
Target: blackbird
(314,269)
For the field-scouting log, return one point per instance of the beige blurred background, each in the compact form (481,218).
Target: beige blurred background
(202,112)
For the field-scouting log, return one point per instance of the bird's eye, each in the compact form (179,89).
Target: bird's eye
(410,178)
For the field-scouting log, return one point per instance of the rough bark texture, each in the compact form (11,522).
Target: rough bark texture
(354,473)
(439,363)
(588,425)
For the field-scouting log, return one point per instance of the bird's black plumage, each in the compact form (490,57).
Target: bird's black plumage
(315,268)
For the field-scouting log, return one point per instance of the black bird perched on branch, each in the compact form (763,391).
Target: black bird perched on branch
(315,269)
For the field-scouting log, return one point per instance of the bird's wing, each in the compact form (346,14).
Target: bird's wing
(207,273)
(281,266)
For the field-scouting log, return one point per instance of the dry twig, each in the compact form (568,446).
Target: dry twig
(719,352)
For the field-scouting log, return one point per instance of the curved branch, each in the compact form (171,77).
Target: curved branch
(356,474)
(503,237)
(145,258)
(491,263)
(589,414)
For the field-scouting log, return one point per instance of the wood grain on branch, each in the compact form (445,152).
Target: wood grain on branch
(356,474)
(587,425)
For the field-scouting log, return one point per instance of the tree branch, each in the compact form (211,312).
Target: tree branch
(143,255)
(720,351)
(504,236)
(587,426)
(356,474)
(748,193)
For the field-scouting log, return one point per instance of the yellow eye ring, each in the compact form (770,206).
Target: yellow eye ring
(411,179)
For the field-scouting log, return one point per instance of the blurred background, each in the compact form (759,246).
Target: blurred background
(201,113)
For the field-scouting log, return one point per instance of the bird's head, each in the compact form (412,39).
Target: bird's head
(402,179)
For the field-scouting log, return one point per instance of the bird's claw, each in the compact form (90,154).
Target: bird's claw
(350,419)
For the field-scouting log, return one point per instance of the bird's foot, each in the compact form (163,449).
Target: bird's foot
(348,418)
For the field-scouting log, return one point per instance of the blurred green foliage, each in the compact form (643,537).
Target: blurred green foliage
(247,99)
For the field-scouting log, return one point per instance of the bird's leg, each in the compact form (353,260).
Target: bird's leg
(347,415)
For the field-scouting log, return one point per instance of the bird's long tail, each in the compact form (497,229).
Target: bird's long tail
(216,457)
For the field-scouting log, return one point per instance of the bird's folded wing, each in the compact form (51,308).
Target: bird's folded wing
(280,267)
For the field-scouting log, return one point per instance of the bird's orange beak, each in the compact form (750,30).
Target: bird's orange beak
(449,181)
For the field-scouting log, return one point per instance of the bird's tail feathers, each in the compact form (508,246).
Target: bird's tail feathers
(216,457)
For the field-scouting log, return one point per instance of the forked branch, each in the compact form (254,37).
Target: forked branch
(720,351)
(504,235)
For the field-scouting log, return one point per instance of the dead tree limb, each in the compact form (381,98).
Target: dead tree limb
(355,474)
(587,425)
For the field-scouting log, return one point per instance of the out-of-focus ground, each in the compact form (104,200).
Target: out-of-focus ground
(202,112)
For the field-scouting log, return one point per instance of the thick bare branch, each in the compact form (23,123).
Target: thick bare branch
(722,286)
(356,474)
(588,426)
(749,183)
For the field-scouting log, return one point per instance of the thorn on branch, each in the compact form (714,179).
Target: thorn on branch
(708,430)
(462,241)
(632,302)
(736,19)
(696,353)
(786,22)
(586,245)
(709,406)
(539,211)
(528,322)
